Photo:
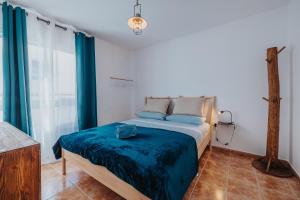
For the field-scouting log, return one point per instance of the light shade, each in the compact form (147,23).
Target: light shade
(137,23)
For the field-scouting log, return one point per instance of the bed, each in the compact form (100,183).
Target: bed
(156,172)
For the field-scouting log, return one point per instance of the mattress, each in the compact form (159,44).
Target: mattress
(197,132)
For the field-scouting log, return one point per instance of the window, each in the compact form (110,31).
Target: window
(52,89)
(52,83)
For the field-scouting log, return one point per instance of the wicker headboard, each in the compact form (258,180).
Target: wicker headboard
(209,108)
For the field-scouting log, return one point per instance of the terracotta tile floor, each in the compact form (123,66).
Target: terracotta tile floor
(222,175)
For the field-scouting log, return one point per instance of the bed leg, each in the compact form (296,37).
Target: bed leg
(210,141)
(63,164)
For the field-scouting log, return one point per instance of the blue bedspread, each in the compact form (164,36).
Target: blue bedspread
(159,163)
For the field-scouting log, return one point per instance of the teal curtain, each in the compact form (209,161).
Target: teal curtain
(86,81)
(16,103)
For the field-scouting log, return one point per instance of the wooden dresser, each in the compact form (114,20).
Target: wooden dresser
(20,168)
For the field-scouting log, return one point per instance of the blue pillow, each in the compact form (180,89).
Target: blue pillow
(126,131)
(187,119)
(152,115)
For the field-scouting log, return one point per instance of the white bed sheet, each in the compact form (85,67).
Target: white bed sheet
(197,132)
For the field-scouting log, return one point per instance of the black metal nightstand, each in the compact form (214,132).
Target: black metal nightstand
(227,124)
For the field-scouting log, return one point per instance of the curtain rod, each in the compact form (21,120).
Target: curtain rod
(48,22)
(56,25)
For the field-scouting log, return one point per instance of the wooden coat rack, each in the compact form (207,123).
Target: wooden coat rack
(270,164)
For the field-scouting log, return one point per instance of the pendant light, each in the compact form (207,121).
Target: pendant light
(137,23)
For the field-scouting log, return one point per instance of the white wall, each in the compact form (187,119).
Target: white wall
(114,101)
(227,62)
(294,40)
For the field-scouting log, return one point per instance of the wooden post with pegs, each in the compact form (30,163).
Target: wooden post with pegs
(270,163)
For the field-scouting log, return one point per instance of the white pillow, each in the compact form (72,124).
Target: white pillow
(157,105)
(189,106)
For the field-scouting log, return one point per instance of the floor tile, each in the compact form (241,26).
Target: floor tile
(206,191)
(71,193)
(96,190)
(219,156)
(54,185)
(269,194)
(294,184)
(56,166)
(274,184)
(213,178)
(48,173)
(237,191)
(222,175)
(242,176)
(77,176)
(216,165)
(241,162)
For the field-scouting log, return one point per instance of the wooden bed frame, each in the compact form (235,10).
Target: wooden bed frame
(119,186)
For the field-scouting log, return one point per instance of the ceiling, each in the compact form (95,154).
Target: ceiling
(167,19)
